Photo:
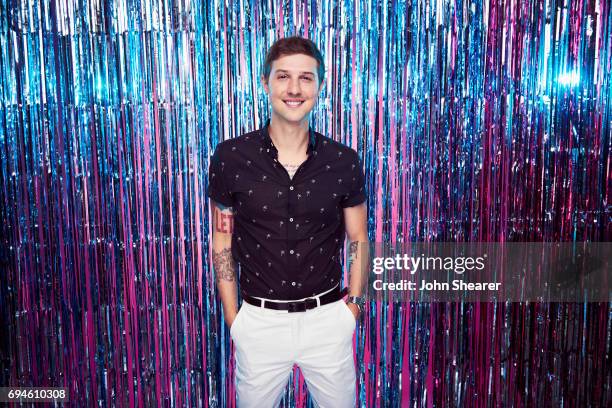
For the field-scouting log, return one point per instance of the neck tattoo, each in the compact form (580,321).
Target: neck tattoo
(291,168)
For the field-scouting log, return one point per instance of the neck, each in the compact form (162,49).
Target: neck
(289,137)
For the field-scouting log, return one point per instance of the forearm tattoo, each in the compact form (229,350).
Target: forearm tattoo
(352,253)
(223,263)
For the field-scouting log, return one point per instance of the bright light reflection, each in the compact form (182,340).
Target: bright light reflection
(569,78)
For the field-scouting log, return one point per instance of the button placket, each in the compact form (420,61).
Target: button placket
(290,232)
(289,214)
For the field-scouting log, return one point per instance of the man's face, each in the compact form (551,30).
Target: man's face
(293,87)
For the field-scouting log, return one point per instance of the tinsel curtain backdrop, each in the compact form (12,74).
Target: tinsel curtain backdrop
(476,121)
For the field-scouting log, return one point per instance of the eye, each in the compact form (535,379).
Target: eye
(282,76)
(307,78)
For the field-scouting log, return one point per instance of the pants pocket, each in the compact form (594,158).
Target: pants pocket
(235,322)
(350,315)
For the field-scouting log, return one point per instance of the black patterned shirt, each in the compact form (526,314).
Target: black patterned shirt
(288,232)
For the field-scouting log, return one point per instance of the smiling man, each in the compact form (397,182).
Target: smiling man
(284,199)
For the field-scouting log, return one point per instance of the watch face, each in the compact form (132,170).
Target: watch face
(359,301)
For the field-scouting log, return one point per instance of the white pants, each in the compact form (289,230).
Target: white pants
(268,343)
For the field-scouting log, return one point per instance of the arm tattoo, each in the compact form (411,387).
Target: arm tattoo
(223,219)
(224,265)
(352,253)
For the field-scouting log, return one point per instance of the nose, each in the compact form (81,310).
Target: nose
(294,87)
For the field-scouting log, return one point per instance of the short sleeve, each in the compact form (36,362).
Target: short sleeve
(217,185)
(357,194)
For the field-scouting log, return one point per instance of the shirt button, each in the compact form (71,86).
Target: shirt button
(290,219)
(292,283)
(290,187)
(291,252)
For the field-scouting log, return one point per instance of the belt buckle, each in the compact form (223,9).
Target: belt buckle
(294,307)
(302,306)
(310,303)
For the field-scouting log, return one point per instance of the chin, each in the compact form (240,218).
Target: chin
(293,117)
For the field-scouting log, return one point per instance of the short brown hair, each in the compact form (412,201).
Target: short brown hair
(291,46)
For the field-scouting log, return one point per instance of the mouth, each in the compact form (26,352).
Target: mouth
(293,103)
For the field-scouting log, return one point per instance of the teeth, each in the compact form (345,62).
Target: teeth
(292,103)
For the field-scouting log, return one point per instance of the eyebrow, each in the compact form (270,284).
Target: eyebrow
(303,72)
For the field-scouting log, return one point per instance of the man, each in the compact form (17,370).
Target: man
(283,198)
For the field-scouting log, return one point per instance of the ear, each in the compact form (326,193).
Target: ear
(321,86)
(264,83)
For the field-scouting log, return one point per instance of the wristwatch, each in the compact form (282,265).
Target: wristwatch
(357,300)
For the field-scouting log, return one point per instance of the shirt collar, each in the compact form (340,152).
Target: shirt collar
(267,141)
